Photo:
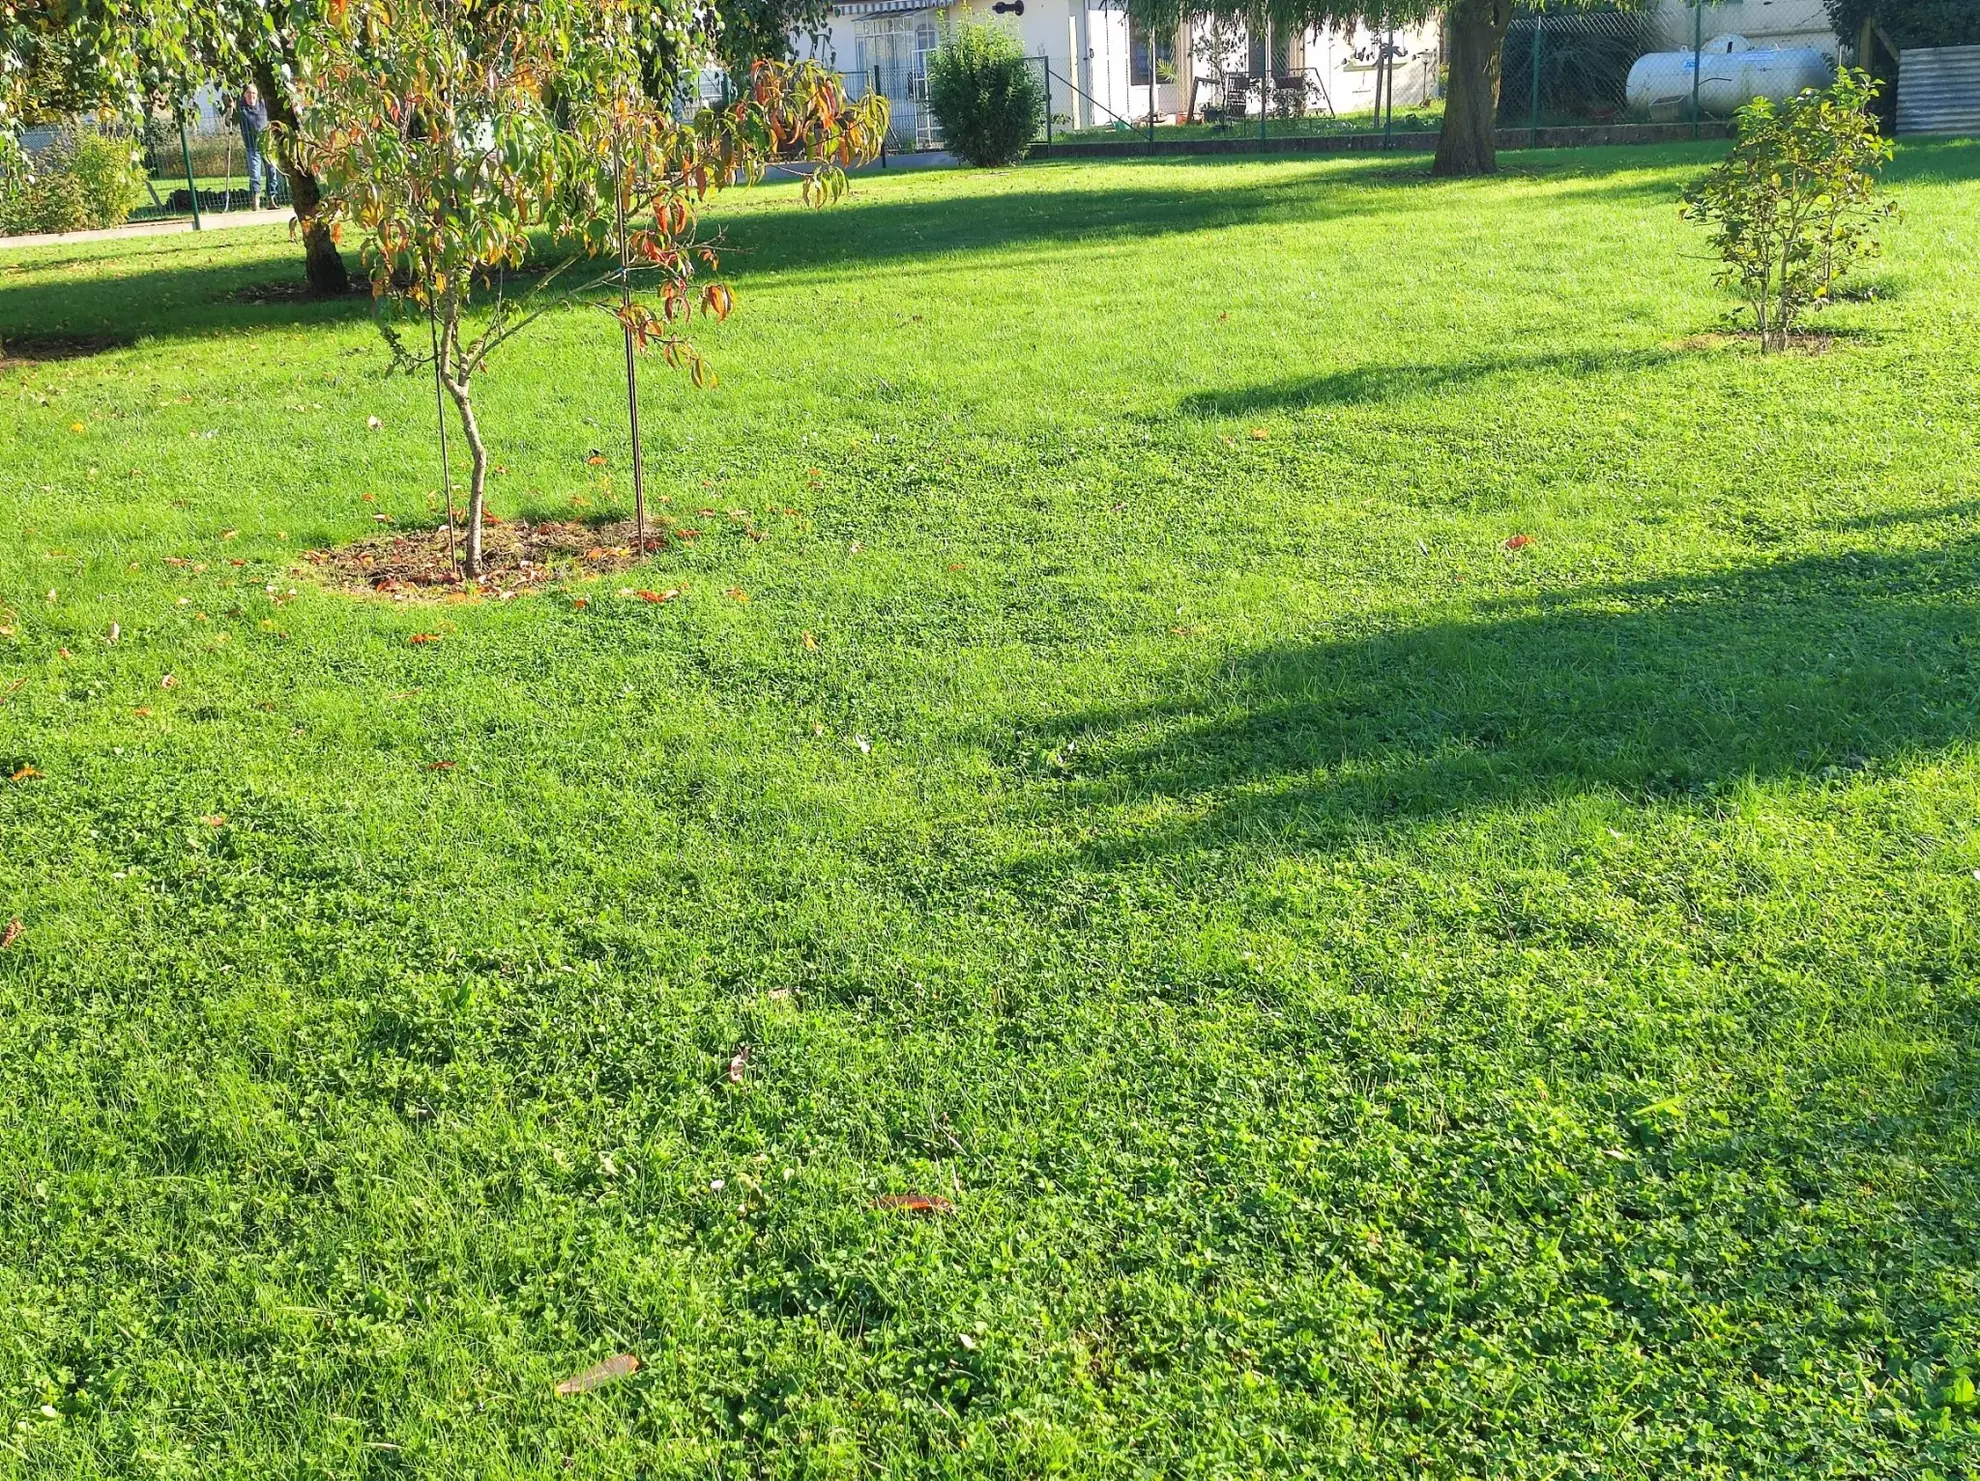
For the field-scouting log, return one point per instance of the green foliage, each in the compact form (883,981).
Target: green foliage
(1909,23)
(86,179)
(986,95)
(1793,205)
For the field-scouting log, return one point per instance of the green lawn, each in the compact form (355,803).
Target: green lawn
(1380,1005)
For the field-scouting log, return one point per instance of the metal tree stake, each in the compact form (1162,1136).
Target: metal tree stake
(440,414)
(632,359)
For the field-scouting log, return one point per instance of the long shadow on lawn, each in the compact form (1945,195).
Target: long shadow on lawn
(1369,383)
(1648,688)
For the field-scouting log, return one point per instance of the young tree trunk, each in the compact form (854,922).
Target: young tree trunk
(478,479)
(1467,144)
(322,265)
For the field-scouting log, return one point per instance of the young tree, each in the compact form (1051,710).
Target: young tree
(1792,207)
(449,132)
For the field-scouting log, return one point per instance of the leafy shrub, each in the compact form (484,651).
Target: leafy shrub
(1793,206)
(86,179)
(985,94)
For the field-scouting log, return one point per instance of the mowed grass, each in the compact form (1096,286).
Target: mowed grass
(1378,1003)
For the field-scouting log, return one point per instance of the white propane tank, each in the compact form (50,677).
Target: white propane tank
(1731,73)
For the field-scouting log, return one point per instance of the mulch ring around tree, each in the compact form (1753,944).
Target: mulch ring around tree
(517,557)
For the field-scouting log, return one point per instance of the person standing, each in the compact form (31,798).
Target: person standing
(252,113)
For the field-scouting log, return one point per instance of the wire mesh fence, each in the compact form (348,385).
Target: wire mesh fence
(205,158)
(1566,77)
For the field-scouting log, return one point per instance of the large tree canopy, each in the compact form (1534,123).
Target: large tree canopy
(1466,144)
(57,56)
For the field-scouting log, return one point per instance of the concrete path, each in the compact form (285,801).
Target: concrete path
(218,221)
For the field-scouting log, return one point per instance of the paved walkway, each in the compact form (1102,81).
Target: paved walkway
(217,221)
(222,220)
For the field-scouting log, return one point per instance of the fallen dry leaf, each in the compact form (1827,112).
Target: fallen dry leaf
(143,711)
(810,641)
(1519,542)
(12,934)
(597,459)
(26,774)
(658,596)
(578,604)
(739,1066)
(1259,434)
(417,638)
(736,594)
(213,820)
(168,682)
(624,1365)
(925,1204)
(229,534)
(439,766)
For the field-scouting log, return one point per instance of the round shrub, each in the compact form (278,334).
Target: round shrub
(985,94)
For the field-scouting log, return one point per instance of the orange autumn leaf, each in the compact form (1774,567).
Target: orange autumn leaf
(26,774)
(658,596)
(439,766)
(418,638)
(925,1204)
(1519,542)
(624,1365)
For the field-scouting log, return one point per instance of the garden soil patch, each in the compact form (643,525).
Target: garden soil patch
(517,557)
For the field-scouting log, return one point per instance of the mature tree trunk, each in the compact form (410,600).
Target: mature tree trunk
(1468,142)
(323,266)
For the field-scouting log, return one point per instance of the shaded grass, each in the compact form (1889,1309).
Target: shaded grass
(1381,1005)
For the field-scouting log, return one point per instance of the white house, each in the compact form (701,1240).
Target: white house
(1104,69)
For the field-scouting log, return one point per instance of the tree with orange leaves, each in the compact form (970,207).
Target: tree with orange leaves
(447,132)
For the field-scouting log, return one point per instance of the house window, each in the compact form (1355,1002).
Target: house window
(1165,55)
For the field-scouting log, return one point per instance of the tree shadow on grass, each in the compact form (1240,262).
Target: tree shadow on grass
(1375,383)
(1645,689)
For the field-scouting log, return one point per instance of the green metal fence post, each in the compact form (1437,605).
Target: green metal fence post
(890,122)
(1389,92)
(185,157)
(1265,86)
(1697,57)
(1533,117)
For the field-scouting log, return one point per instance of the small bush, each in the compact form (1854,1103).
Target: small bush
(1792,207)
(87,179)
(985,94)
